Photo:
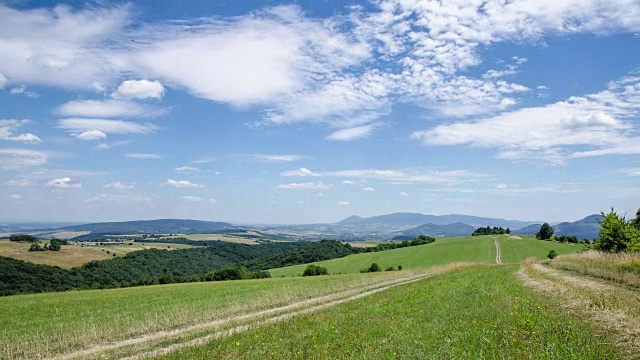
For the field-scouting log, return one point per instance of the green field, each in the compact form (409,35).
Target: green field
(474,313)
(443,251)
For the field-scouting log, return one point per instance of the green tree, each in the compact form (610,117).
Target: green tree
(545,233)
(617,234)
(315,270)
(552,254)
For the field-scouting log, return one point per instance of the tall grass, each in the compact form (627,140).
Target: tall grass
(622,267)
(475,313)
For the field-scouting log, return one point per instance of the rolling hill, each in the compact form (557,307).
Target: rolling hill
(415,219)
(455,229)
(162,226)
(586,228)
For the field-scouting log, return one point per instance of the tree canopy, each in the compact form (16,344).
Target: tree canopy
(617,234)
(545,233)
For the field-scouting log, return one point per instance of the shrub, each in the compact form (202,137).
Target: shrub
(390,268)
(315,270)
(373,268)
(399,267)
(552,254)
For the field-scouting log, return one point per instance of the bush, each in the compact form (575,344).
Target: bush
(315,270)
(23,237)
(552,254)
(390,268)
(373,268)
(399,267)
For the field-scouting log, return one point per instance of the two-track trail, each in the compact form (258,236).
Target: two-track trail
(154,344)
(495,241)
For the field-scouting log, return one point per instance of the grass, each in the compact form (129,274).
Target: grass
(43,325)
(514,250)
(623,268)
(71,255)
(474,313)
(443,251)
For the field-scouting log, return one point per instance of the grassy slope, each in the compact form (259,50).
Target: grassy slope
(443,251)
(46,324)
(528,246)
(70,255)
(475,313)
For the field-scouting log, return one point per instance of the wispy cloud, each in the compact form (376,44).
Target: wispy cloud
(8,127)
(13,159)
(343,203)
(97,129)
(353,133)
(182,184)
(192,198)
(63,183)
(19,182)
(187,169)
(144,156)
(278,158)
(118,186)
(112,198)
(630,171)
(299,172)
(305,186)
(407,175)
(110,108)
(557,132)
(368,189)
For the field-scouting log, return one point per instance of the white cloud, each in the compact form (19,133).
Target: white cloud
(353,133)
(7,128)
(192,198)
(22,90)
(18,182)
(278,158)
(95,129)
(14,197)
(403,193)
(140,89)
(591,125)
(368,189)
(144,156)
(187,169)
(299,172)
(305,186)
(205,160)
(111,198)
(630,171)
(91,135)
(13,159)
(409,176)
(182,184)
(349,182)
(107,108)
(63,183)
(118,185)
(343,203)
(3,81)
(106,146)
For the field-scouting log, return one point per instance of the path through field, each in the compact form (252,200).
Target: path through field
(495,241)
(148,345)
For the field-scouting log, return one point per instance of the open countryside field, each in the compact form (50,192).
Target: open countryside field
(457,311)
(443,251)
(74,255)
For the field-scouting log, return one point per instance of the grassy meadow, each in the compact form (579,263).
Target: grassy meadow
(74,255)
(623,267)
(483,312)
(443,251)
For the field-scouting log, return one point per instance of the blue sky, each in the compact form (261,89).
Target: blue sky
(309,111)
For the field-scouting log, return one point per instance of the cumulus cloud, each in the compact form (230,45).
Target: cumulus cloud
(111,108)
(368,189)
(140,89)
(63,183)
(305,186)
(299,172)
(13,159)
(182,184)
(144,156)
(343,203)
(91,135)
(118,186)
(8,127)
(591,125)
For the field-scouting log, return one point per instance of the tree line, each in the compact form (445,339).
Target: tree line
(496,230)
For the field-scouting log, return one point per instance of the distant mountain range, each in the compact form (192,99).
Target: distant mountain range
(397,226)
(586,228)
(455,229)
(162,226)
(415,219)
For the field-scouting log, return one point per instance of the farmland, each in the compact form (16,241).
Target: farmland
(71,255)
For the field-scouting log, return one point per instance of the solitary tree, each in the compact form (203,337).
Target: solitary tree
(616,234)
(545,233)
